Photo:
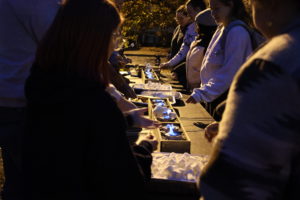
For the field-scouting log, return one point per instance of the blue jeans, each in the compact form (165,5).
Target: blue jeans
(11,131)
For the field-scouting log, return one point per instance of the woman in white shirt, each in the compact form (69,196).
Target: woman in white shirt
(176,63)
(220,62)
(206,27)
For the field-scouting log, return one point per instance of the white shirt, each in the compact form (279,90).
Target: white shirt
(194,60)
(219,66)
(189,37)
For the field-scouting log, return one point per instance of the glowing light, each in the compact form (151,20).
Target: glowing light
(171,128)
(167,114)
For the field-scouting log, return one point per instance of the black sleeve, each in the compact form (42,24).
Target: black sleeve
(143,155)
(115,161)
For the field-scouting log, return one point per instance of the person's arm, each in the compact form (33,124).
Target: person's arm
(35,16)
(258,137)
(123,104)
(120,83)
(113,153)
(237,49)
(143,152)
(189,37)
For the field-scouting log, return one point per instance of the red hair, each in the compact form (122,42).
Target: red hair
(78,40)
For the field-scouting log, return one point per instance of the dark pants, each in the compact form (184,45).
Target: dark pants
(216,107)
(11,131)
(180,71)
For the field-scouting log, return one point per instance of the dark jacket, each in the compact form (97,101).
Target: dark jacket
(177,40)
(75,145)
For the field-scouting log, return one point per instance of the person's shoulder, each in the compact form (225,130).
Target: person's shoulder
(196,46)
(191,25)
(282,50)
(191,28)
(238,31)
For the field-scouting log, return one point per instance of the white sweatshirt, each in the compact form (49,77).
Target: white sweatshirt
(189,37)
(193,62)
(219,66)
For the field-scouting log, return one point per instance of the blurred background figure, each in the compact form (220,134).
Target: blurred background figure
(258,145)
(228,50)
(22,25)
(205,26)
(183,20)
(177,62)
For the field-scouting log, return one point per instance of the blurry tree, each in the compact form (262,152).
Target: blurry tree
(156,16)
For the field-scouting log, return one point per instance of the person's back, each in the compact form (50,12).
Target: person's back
(78,154)
(265,132)
(71,148)
(258,146)
(22,25)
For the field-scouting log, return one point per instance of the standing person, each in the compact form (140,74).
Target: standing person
(183,20)
(257,152)
(75,144)
(22,24)
(206,27)
(193,8)
(220,62)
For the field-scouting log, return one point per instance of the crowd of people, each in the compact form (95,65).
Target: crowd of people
(60,92)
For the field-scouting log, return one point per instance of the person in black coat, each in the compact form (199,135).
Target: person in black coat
(75,144)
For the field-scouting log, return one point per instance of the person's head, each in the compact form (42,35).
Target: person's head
(80,40)
(270,17)
(194,7)
(224,11)
(205,23)
(182,18)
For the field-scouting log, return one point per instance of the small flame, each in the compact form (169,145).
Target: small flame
(160,104)
(171,128)
(167,114)
(149,75)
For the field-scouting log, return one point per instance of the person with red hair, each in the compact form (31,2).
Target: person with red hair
(75,144)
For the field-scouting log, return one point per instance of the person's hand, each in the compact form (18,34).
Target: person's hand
(140,121)
(149,138)
(128,91)
(164,65)
(211,131)
(122,61)
(128,60)
(174,76)
(191,100)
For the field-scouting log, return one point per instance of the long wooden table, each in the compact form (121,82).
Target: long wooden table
(189,114)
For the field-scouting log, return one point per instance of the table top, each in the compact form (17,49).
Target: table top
(189,114)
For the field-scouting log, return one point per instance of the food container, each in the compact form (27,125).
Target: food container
(148,74)
(176,175)
(171,135)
